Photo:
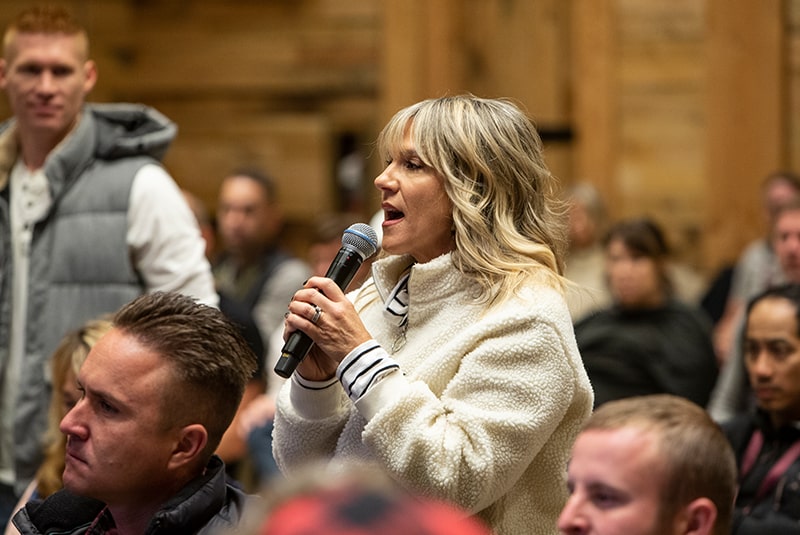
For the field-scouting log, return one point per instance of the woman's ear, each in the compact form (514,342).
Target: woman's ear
(190,445)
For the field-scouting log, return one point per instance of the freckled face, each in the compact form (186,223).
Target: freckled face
(417,211)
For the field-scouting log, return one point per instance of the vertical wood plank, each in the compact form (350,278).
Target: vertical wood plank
(594,64)
(746,104)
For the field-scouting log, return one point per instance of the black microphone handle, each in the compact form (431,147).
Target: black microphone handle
(342,270)
(294,351)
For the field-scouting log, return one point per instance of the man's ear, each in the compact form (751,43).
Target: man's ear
(192,441)
(89,76)
(699,517)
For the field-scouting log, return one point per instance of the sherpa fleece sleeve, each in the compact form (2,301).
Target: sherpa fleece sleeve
(308,420)
(510,392)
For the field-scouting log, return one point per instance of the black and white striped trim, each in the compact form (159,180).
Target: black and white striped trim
(313,385)
(362,367)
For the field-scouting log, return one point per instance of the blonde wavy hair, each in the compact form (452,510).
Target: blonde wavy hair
(509,219)
(68,357)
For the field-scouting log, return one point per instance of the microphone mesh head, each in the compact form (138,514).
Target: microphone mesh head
(362,238)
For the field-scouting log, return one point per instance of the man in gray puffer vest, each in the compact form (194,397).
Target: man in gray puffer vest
(88,220)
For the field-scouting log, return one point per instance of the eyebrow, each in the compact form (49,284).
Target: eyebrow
(101,394)
(771,340)
(408,153)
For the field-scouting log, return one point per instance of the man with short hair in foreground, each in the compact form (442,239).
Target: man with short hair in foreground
(650,465)
(158,392)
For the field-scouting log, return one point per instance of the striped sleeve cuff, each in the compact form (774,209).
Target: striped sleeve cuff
(363,367)
(313,385)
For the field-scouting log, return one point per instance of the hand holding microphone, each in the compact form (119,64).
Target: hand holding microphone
(359,242)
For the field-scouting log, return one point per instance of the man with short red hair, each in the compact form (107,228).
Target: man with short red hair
(89,219)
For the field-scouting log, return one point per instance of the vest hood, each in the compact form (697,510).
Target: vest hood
(131,130)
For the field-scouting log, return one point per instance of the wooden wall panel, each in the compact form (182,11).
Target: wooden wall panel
(747,118)
(521,50)
(492,48)
(792,77)
(680,110)
(661,118)
(594,89)
(296,149)
(259,46)
(421,53)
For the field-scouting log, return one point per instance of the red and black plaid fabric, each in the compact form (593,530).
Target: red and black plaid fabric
(367,512)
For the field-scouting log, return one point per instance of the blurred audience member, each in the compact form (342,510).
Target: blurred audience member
(584,264)
(650,465)
(648,341)
(233,448)
(255,276)
(758,267)
(352,499)
(767,438)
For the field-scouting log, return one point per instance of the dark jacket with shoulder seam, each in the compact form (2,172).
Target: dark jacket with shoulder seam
(206,505)
(778,513)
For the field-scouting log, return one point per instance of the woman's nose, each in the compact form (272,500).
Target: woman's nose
(385,180)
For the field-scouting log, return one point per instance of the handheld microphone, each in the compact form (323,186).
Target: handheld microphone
(359,242)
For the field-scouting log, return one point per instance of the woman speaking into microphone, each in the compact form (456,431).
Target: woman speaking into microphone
(454,367)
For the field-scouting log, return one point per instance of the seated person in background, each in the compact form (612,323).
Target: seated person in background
(647,342)
(157,392)
(255,276)
(350,498)
(650,465)
(767,439)
(64,366)
(585,260)
(758,266)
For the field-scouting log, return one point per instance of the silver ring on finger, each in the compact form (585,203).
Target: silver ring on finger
(317,314)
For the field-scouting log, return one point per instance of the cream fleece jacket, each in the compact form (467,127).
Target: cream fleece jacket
(483,413)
